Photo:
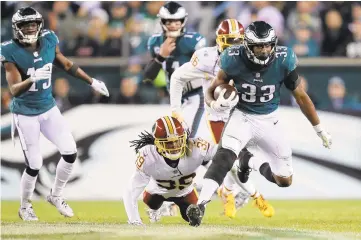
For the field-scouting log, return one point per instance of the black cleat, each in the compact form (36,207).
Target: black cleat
(243,169)
(195,214)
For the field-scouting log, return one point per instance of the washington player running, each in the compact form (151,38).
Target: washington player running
(258,69)
(165,167)
(171,49)
(203,66)
(28,61)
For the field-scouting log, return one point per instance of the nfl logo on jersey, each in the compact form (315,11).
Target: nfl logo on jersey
(258,78)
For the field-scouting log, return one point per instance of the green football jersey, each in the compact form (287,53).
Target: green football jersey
(186,45)
(259,90)
(38,99)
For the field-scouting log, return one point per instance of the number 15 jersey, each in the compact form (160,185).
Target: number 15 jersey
(259,90)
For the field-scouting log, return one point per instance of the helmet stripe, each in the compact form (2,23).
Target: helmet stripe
(165,125)
(169,124)
(233,26)
(173,125)
(236,24)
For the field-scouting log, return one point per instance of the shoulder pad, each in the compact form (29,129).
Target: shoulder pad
(152,44)
(50,36)
(287,57)
(196,40)
(229,59)
(153,39)
(6,51)
(205,59)
(146,158)
(198,147)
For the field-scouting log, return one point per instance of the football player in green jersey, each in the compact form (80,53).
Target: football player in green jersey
(28,61)
(258,69)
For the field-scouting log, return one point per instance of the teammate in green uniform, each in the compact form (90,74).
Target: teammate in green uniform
(28,60)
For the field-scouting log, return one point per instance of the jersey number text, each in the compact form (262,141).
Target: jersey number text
(249,95)
(45,85)
(180,184)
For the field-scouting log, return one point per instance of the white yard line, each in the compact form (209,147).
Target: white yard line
(169,231)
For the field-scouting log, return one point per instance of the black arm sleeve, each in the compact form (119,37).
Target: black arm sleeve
(152,69)
(292,80)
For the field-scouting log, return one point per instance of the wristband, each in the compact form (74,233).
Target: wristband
(318,128)
(73,69)
(160,58)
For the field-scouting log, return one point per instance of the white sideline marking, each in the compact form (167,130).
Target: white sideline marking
(171,231)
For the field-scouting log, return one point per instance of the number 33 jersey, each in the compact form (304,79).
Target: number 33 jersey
(38,99)
(173,181)
(259,90)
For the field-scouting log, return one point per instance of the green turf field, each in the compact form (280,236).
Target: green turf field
(107,220)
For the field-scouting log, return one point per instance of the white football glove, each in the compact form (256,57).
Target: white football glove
(325,136)
(41,74)
(100,87)
(136,223)
(222,104)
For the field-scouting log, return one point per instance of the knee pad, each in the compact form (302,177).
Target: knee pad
(222,163)
(32,172)
(69,158)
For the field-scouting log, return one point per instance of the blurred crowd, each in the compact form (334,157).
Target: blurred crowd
(93,29)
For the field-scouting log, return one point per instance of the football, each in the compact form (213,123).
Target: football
(229,90)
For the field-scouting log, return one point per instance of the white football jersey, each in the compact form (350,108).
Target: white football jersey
(168,181)
(206,60)
(202,66)
(155,176)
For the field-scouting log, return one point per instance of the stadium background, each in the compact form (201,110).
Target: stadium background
(109,40)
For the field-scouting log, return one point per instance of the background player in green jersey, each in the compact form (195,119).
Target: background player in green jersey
(170,50)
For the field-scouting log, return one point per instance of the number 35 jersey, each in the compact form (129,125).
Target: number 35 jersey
(178,181)
(38,99)
(259,90)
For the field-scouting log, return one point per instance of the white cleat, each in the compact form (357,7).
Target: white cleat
(241,200)
(154,215)
(27,214)
(60,204)
(168,209)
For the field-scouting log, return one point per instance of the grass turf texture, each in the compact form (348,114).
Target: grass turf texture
(107,220)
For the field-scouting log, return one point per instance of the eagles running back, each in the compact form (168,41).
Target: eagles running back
(258,68)
(259,90)
(204,65)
